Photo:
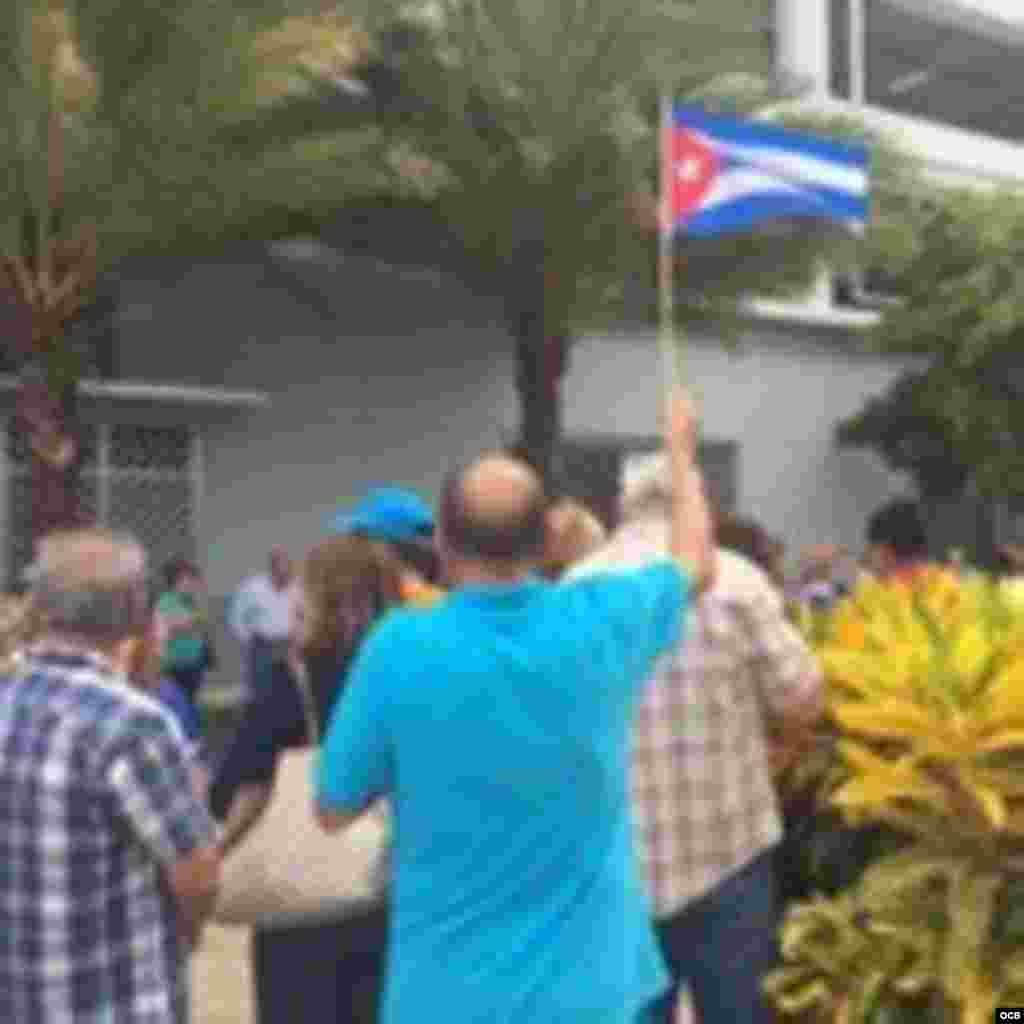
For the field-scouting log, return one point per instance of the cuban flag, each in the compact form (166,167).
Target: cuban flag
(727,176)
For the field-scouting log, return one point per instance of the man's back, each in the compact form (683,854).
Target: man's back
(502,720)
(93,794)
(705,801)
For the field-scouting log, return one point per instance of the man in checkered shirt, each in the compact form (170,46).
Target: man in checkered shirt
(107,862)
(707,813)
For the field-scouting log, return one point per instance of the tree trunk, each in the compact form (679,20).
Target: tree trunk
(42,293)
(541,361)
(45,420)
(986,553)
(55,503)
(933,509)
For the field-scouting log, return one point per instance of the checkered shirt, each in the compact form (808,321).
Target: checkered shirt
(703,795)
(95,802)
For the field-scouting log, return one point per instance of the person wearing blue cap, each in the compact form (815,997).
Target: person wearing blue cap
(403,521)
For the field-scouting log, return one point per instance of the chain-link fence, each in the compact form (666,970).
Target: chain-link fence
(142,479)
(591,470)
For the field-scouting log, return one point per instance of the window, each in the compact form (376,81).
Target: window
(591,470)
(134,478)
(875,288)
(839,27)
(959,68)
(93,333)
(870,289)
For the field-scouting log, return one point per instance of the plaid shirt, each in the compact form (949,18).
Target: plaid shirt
(95,801)
(704,799)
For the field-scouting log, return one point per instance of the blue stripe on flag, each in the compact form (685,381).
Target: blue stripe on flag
(842,205)
(769,136)
(756,210)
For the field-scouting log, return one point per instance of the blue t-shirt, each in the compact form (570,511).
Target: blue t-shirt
(499,723)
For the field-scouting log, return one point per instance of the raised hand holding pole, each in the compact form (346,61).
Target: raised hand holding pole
(667,336)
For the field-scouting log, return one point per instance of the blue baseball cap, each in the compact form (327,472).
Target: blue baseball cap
(388,514)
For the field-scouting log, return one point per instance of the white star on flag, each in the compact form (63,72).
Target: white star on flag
(689,170)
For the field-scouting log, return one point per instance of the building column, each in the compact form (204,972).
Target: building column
(803,47)
(803,53)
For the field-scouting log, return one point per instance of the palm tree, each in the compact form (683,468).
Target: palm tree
(533,126)
(134,126)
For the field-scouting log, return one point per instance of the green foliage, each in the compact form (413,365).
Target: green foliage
(539,120)
(154,157)
(961,275)
(538,123)
(961,279)
(529,126)
(906,429)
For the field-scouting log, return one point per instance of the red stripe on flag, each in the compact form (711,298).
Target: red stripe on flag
(691,169)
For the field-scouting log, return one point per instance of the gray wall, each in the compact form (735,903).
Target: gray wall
(405,376)
(778,396)
(382,375)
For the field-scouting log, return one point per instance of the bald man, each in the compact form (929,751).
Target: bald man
(498,724)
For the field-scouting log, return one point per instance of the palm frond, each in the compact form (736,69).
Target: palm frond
(542,117)
(131,41)
(323,109)
(33,45)
(186,139)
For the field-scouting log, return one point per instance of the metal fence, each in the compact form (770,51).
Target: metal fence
(143,479)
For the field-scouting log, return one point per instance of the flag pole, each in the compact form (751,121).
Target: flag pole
(671,354)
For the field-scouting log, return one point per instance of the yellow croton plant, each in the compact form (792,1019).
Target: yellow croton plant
(925,697)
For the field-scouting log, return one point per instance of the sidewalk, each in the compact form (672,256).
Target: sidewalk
(220,980)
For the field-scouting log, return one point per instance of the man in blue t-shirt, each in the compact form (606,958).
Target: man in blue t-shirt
(498,723)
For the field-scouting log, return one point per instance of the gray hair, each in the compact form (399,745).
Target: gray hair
(91,583)
(645,486)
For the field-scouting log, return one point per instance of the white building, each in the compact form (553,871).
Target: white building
(283,380)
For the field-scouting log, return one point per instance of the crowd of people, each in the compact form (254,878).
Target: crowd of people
(573,733)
